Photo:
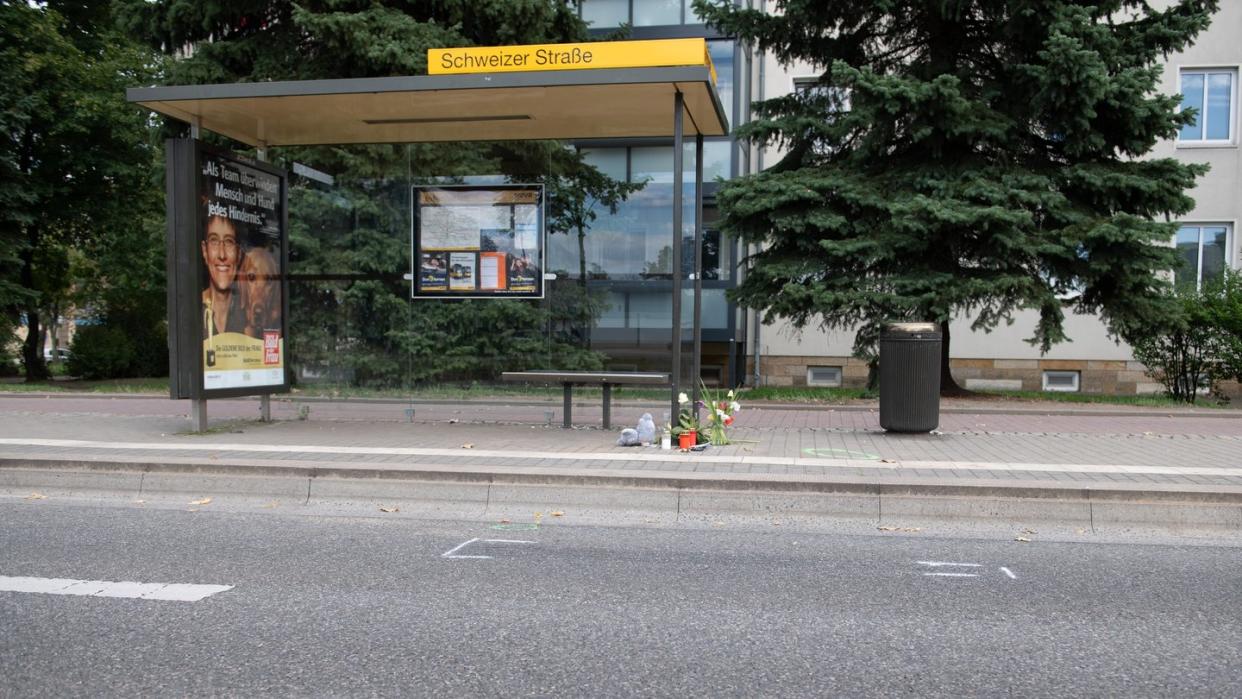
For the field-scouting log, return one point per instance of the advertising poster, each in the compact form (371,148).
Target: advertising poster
(241,246)
(433,272)
(478,241)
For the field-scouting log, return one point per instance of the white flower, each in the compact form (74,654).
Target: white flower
(730,393)
(682,399)
(721,413)
(735,406)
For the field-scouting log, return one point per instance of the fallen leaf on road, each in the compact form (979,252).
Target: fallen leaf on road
(204,501)
(453,421)
(271,504)
(36,496)
(558,513)
(1081,531)
(467,446)
(192,509)
(390,509)
(1022,538)
(505,521)
(140,502)
(538,517)
(887,461)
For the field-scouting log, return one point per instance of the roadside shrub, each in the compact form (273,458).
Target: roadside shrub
(101,352)
(1199,344)
(1224,311)
(10,357)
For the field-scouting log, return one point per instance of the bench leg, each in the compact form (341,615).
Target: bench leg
(569,406)
(608,406)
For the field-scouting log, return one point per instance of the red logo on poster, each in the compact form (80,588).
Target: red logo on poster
(271,348)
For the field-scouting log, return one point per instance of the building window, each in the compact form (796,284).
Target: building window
(823,376)
(1061,381)
(603,14)
(1213,96)
(1205,253)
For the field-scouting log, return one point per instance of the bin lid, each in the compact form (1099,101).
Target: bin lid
(925,331)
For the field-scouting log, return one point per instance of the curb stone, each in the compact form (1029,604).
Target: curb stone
(684,497)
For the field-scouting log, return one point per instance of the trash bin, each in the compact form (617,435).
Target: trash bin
(910,377)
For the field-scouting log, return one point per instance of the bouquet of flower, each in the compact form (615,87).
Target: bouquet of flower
(721,407)
(687,416)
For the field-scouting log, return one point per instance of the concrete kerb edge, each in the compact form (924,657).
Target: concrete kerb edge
(883,503)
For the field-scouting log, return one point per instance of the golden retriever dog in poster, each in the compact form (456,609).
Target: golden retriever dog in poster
(258,280)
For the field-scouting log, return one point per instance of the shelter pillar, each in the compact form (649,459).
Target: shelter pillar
(696,362)
(678,178)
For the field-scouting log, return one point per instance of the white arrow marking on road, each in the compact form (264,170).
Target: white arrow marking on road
(1008,572)
(170,592)
(452,553)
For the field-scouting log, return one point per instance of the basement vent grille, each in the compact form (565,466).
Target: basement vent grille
(1061,381)
(823,376)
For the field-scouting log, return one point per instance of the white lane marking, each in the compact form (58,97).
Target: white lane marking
(937,564)
(954,575)
(1008,572)
(452,553)
(178,592)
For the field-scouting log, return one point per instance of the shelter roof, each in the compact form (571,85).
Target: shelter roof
(537,105)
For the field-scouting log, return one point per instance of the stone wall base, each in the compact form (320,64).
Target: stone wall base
(1095,376)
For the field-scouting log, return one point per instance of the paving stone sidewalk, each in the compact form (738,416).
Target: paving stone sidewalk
(1147,450)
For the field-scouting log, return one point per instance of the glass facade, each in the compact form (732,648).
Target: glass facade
(607,14)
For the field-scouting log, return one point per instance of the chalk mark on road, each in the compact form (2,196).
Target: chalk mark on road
(453,552)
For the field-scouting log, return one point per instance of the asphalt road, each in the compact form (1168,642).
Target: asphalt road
(328,605)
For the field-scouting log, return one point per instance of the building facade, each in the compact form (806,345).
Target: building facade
(740,349)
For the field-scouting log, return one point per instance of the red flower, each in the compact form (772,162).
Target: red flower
(728,420)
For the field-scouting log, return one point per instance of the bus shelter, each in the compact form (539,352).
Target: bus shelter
(604,90)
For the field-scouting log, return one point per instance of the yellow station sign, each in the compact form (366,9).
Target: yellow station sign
(601,54)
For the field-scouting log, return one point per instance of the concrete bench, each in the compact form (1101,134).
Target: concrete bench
(606,379)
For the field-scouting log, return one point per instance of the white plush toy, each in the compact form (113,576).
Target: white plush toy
(628,438)
(646,429)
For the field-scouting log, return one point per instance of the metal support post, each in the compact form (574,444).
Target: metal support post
(569,406)
(678,178)
(198,414)
(697,361)
(607,406)
(198,406)
(265,400)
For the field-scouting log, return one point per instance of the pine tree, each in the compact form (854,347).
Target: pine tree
(963,157)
